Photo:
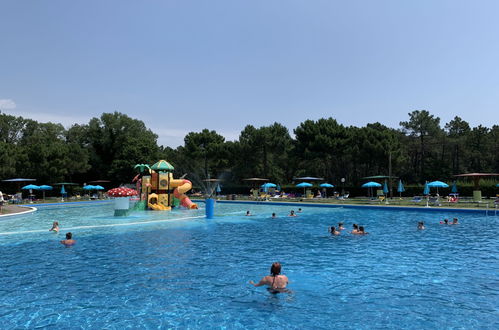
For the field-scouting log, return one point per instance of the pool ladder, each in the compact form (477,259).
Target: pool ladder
(495,209)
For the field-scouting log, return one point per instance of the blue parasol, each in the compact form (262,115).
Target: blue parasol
(87,187)
(268,185)
(400,187)
(371,184)
(218,189)
(454,188)
(304,185)
(326,185)
(43,188)
(385,189)
(426,190)
(31,187)
(99,187)
(438,184)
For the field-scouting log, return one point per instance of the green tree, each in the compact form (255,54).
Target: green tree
(206,150)
(457,131)
(426,129)
(264,152)
(321,147)
(116,143)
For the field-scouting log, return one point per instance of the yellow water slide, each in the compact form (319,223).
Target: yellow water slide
(152,203)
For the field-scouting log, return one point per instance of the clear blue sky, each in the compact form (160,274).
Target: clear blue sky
(185,65)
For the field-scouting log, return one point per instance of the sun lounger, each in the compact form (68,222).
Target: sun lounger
(416,199)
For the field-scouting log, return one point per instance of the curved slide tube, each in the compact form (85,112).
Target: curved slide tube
(158,207)
(182,187)
(153,204)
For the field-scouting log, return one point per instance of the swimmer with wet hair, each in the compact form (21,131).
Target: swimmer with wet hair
(362,231)
(248,214)
(299,210)
(274,216)
(340,226)
(55,227)
(445,222)
(69,240)
(355,229)
(454,221)
(421,225)
(292,214)
(333,231)
(275,281)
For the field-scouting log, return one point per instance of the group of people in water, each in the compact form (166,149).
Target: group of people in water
(292,213)
(357,230)
(276,282)
(69,236)
(455,221)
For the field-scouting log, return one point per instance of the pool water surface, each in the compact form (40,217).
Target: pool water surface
(180,270)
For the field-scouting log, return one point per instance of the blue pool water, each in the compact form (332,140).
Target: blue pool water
(179,270)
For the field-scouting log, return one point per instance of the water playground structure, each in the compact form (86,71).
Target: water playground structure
(158,190)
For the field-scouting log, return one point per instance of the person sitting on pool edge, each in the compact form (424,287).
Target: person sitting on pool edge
(275,281)
(340,226)
(292,214)
(333,231)
(69,240)
(355,229)
(55,227)
(421,225)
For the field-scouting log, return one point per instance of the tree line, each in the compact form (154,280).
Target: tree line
(108,147)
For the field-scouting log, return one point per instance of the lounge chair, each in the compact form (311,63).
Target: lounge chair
(416,199)
(434,201)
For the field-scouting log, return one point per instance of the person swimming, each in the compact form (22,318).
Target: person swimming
(69,240)
(445,222)
(248,214)
(362,231)
(333,231)
(55,227)
(299,210)
(275,281)
(292,214)
(355,229)
(274,216)
(340,226)
(455,221)
(421,225)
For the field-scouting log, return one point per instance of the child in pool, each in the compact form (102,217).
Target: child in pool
(55,227)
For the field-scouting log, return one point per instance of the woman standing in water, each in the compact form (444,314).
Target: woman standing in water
(275,281)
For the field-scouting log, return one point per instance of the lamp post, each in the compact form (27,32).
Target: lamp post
(342,186)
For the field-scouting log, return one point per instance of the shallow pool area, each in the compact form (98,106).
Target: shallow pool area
(179,270)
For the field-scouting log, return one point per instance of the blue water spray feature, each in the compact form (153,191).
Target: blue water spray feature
(210,208)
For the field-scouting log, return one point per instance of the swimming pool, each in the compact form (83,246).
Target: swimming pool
(178,269)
